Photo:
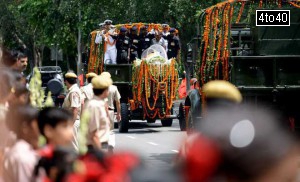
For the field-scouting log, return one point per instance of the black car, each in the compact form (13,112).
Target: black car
(53,81)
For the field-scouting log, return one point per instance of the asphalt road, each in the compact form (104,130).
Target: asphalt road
(156,144)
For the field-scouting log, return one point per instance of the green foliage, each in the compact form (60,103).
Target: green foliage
(46,22)
(37,94)
(83,131)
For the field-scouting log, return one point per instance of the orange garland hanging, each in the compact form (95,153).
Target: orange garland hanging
(150,74)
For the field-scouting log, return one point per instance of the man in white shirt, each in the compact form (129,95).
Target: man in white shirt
(110,56)
(159,39)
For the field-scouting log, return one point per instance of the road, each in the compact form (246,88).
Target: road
(157,145)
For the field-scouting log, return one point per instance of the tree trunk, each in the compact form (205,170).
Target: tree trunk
(79,56)
(68,63)
(36,55)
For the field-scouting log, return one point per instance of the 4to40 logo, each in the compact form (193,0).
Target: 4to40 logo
(272,17)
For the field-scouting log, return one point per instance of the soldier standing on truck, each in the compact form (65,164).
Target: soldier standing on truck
(173,44)
(145,40)
(159,39)
(110,55)
(123,47)
(134,44)
(73,102)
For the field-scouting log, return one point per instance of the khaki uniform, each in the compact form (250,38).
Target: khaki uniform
(98,120)
(87,92)
(114,95)
(73,100)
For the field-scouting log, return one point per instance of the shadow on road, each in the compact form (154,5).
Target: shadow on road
(164,157)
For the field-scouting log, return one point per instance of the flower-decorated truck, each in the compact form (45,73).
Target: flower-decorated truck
(148,87)
(261,61)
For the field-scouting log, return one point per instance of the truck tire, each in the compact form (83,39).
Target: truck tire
(55,86)
(150,120)
(181,118)
(167,122)
(124,123)
(191,121)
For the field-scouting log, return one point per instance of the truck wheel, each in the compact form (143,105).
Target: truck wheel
(167,122)
(124,123)
(181,118)
(150,120)
(190,121)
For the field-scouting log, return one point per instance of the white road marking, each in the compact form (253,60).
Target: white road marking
(131,137)
(176,151)
(151,143)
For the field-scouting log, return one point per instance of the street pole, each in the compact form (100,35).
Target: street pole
(79,57)
(56,54)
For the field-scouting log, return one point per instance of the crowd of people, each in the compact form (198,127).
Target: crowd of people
(127,45)
(231,143)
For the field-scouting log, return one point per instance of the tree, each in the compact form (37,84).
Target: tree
(39,24)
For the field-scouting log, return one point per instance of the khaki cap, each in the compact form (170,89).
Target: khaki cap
(106,74)
(70,75)
(91,75)
(221,89)
(101,82)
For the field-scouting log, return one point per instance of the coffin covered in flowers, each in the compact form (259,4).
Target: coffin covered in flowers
(155,82)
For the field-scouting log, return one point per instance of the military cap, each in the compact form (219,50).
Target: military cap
(91,75)
(123,29)
(172,30)
(106,74)
(101,24)
(134,28)
(165,25)
(107,22)
(144,27)
(221,89)
(101,82)
(70,75)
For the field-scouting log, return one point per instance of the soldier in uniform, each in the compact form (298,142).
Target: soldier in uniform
(145,40)
(110,55)
(134,44)
(98,124)
(165,33)
(173,44)
(87,91)
(113,96)
(72,102)
(123,47)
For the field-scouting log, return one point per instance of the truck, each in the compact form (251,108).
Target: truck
(261,61)
(147,87)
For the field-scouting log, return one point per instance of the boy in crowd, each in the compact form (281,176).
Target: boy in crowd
(20,160)
(57,126)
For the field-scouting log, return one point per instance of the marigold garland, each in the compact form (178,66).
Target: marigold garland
(147,82)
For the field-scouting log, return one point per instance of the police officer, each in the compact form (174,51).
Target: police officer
(123,47)
(113,97)
(72,102)
(98,122)
(134,44)
(173,44)
(87,91)
(145,40)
